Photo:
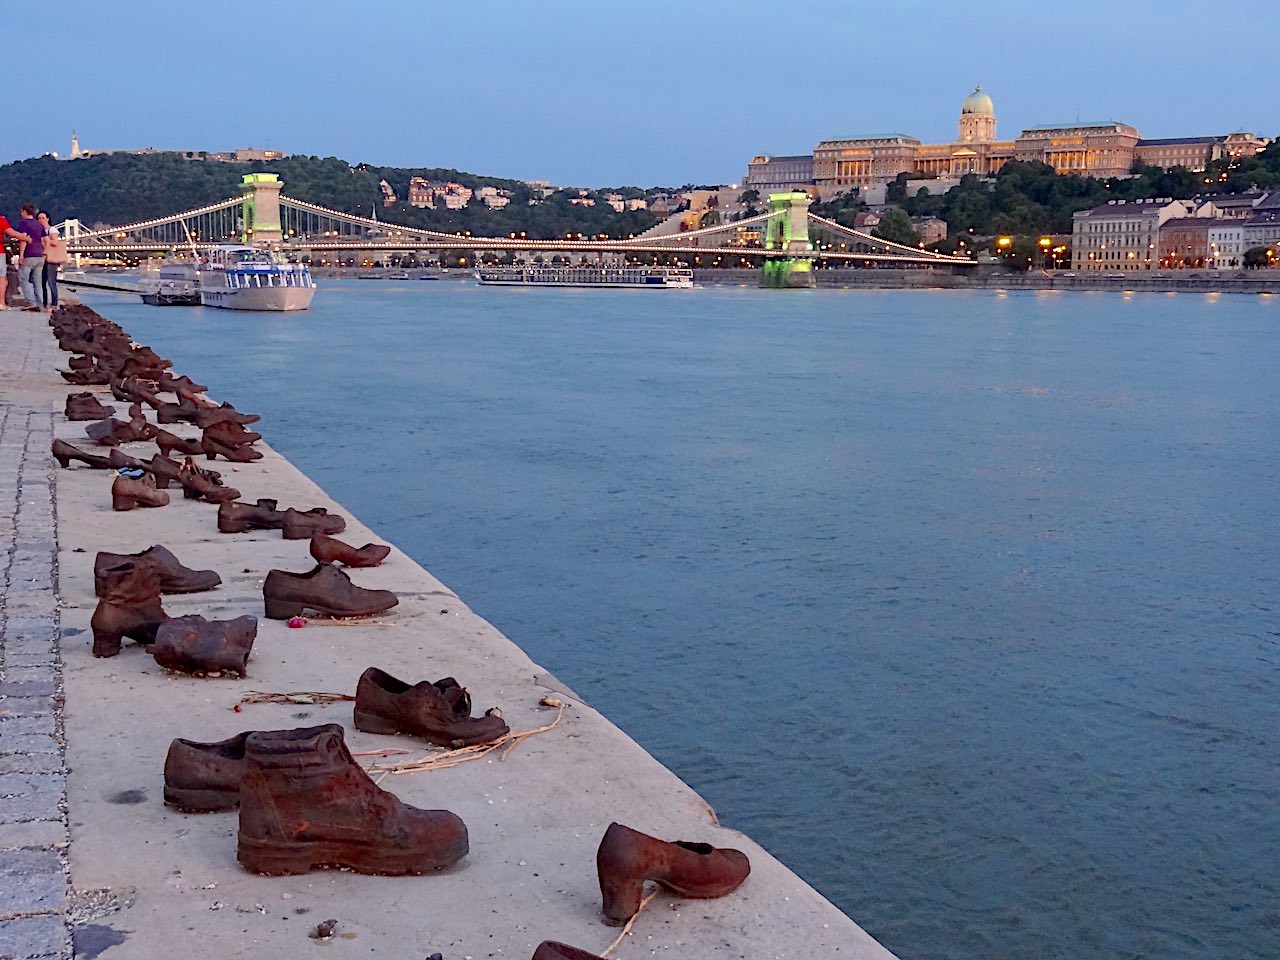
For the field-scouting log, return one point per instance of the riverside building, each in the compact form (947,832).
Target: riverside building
(1104,148)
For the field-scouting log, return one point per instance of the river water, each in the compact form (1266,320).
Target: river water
(961,603)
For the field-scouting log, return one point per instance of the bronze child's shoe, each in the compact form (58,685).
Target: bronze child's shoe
(305,802)
(434,711)
(193,644)
(128,492)
(85,406)
(326,589)
(203,777)
(64,453)
(627,858)
(303,524)
(171,575)
(236,517)
(129,607)
(329,550)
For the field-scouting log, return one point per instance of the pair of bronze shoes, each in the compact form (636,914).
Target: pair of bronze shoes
(305,802)
(110,432)
(439,712)
(265,514)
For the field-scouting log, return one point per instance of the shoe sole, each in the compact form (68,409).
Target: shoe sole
(284,609)
(274,859)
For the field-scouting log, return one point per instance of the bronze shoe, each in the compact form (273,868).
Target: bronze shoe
(203,485)
(225,412)
(326,589)
(303,524)
(229,433)
(330,550)
(554,950)
(213,448)
(172,384)
(169,442)
(627,858)
(193,644)
(434,711)
(165,471)
(85,406)
(64,453)
(236,517)
(305,802)
(129,492)
(203,777)
(111,432)
(129,607)
(171,575)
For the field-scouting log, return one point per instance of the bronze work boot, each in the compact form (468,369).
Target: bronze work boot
(328,550)
(698,871)
(128,492)
(85,406)
(203,777)
(193,644)
(129,607)
(171,575)
(64,453)
(434,711)
(215,448)
(203,485)
(304,524)
(169,442)
(326,589)
(304,803)
(110,432)
(236,517)
(554,950)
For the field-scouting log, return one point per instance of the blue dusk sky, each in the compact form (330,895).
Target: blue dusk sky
(610,93)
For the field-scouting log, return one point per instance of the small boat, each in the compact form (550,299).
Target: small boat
(170,284)
(599,275)
(237,277)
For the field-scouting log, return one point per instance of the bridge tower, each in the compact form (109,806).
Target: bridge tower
(261,192)
(788,232)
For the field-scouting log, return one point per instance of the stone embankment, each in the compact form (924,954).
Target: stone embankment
(90,854)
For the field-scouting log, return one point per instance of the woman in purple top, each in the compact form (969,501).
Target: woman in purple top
(31,259)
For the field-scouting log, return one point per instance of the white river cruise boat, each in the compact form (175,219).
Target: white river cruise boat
(635,278)
(244,278)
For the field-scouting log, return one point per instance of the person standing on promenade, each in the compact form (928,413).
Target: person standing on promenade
(55,255)
(31,259)
(6,231)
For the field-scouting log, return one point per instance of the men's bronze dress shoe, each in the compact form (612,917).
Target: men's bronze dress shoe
(326,589)
(172,576)
(304,524)
(438,712)
(236,517)
(85,406)
(627,858)
(203,777)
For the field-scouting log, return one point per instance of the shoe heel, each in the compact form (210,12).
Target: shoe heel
(106,644)
(621,898)
(63,461)
(281,609)
(368,723)
(123,503)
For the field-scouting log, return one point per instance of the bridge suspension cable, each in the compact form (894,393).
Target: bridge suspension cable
(887,245)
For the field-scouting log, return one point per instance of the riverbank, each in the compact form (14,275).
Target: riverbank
(88,848)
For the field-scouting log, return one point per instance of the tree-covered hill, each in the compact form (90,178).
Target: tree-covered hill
(122,188)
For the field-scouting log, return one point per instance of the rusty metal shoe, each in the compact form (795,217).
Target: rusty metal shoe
(330,550)
(627,858)
(224,412)
(236,517)
(326,589)
(171,575)
(85,406)
(64,453)
(129,492)
(432,711)
(182,411)
(554,950)
(169,442)
(192,644)
(211,447)
(204,777)
(305,803)
(171,384)
(229,433)
(203,485)
(129,607)
(111,432)
(304,524)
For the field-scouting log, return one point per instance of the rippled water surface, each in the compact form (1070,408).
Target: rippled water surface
(963,604)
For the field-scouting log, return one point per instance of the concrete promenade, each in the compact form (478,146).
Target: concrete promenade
(89,853)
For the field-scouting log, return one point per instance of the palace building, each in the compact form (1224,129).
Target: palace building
(1099,149)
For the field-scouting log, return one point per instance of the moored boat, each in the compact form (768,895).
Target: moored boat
(245,278)
(170,284)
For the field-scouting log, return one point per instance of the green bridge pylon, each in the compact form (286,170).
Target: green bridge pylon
(788,232)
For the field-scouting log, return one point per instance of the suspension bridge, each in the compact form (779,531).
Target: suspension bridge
(786,241)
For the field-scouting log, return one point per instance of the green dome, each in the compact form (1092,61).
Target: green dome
(978,102)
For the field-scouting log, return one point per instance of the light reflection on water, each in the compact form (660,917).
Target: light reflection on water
(961,604)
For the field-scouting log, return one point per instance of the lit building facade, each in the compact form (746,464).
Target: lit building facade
(1120,236)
